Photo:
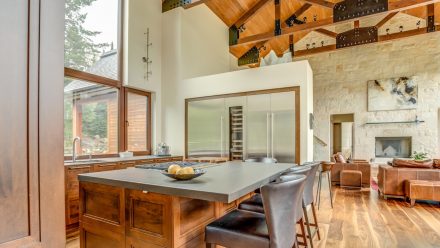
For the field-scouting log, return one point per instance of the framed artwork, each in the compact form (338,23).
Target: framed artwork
(392,94)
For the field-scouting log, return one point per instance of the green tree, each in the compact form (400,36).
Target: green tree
(80,50)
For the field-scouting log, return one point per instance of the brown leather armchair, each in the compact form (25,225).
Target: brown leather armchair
(355,164)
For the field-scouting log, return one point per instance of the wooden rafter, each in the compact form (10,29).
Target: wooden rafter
(297,13)
(382,38)
(326,32)
(321,3)
(250,13)
(386,19)
(393,7)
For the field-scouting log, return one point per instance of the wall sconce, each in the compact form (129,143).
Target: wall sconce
(401,28)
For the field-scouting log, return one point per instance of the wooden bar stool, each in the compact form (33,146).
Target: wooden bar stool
(326,168)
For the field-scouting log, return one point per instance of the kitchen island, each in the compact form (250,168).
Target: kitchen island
(142,208)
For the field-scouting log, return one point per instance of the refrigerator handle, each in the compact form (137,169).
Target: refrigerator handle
(243,138)
(267,134)
(221,136)
(272,124)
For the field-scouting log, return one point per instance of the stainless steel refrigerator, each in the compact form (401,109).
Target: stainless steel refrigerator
(269,126)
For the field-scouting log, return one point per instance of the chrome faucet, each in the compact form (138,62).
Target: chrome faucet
(76,139)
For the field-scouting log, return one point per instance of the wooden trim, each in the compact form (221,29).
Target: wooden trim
(386,19)
(124,127)
(85,76)
(310,26)
(400,35)
(322,49)
(295,89)
(250,13)
(326,32)
(321,3)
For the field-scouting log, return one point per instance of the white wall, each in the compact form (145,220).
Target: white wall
(141,15)
(195,43)
(277,76)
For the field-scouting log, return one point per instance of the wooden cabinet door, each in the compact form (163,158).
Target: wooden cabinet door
(31,126)
(14,196)
(105,167)
(125,165)
(72,192)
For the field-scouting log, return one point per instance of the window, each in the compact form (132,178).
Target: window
(96,104)
(138,112)
(90,112)
(91,37)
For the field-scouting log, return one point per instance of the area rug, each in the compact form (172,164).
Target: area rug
(374,185)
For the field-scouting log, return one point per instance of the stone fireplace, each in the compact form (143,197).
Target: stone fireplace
(393,147)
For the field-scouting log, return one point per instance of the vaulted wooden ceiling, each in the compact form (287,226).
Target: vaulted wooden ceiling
(258,17)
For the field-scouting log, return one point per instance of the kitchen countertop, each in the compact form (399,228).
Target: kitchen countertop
(224,182)
(114,160)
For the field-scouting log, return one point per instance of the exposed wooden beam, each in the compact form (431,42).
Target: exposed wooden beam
(393,7)
(321,3)
(327,32)
(315,50)
(250,13)
(386,19)
(382,38)
(297,13)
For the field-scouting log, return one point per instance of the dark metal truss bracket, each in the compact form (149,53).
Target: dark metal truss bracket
(250,57)
(172,4)
(430,24)
(293,19)
(350,9)
(234,35)
(357,36)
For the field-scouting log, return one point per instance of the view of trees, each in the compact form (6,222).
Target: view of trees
(81,51)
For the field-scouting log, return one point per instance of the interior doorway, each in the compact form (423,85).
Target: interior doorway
(342,134)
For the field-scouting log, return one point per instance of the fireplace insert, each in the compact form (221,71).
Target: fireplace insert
(393,147)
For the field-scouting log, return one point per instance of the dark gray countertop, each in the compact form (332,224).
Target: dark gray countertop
(114,160)
(223,183)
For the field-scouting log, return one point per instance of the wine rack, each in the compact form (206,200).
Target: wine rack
(236,132)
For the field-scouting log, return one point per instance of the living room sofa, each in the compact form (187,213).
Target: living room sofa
(391,180)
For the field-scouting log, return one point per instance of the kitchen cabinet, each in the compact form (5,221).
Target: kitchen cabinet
(105,167)
(72,184)
(72,193)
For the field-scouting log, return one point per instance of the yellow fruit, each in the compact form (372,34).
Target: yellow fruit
(174,168)
(185,171)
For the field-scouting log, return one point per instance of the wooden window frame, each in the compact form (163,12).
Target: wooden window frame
(116,83)
(126,90)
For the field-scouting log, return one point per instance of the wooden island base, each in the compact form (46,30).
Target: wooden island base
(114,217)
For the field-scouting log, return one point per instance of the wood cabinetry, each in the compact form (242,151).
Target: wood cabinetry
(137,219)
(72,185)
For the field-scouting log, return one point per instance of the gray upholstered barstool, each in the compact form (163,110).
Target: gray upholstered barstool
(243,229)
(255,203)
(308,200)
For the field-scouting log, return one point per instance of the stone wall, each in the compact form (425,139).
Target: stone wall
(340,87)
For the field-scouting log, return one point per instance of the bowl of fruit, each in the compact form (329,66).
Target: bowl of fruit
(177,172)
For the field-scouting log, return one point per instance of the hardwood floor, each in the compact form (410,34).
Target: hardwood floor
(362,219)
